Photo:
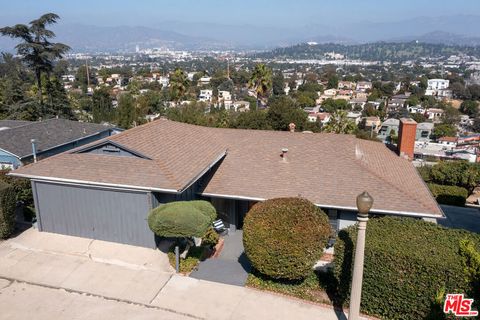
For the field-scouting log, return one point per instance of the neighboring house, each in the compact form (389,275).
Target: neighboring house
(416,109)
(363,86)
(438,87)
(434,114)
(358,103)
(448,141)
(51,137)
(225,98)
(355,117)
(205,95)
(204,80)
(386,129)
(330,93)
(106,189)
(372,123)
(241,106)
(347,85)
(424,131)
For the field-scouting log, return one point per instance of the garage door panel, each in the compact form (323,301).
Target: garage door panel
(97,213)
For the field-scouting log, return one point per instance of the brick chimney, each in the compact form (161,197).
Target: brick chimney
(406,138)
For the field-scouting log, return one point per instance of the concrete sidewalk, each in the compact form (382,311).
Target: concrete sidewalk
(40,262)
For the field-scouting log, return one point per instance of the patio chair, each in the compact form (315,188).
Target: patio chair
(219,227)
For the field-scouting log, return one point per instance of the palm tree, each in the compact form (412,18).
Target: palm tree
(261,81)
(36,49)
(339,123)
(178,84)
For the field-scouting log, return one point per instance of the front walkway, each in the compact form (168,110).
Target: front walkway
(231,267)
(62,277)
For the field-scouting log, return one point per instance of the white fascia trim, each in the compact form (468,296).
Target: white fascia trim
(392,212)
(12,154)
(90,183)
(225,196)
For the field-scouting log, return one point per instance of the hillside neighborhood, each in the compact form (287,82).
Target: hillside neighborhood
(318,180)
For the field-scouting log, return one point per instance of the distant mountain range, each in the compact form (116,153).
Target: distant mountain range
(451,30)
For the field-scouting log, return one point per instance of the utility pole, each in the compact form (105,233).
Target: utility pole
(88,76)
(228,69)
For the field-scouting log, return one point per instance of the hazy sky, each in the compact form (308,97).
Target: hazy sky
(275,13)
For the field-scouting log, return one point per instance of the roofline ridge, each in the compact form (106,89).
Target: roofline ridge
(362,165)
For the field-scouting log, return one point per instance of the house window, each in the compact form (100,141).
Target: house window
(424,134)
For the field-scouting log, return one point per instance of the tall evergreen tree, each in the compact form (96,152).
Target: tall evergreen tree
(36,49)
(126,111)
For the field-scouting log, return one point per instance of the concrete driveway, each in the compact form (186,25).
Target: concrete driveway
(231,267)
(49,276)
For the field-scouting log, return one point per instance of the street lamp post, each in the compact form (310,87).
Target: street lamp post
(364,203)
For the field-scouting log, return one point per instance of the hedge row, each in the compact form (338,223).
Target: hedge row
(283,238)
(7,209)
(407,263)
(451,195)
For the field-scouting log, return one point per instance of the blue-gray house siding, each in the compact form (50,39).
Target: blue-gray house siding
(94,212)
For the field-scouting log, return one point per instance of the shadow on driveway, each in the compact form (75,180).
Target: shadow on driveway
(461,218)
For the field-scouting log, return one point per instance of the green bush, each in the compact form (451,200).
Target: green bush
(451,195)
(407,263)
(284,237)
(181,219)
(456,173)
(7,209)
(211,237)
(205,207)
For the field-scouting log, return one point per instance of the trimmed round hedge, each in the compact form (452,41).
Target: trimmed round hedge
(283,238)
(408,262)
(182,219)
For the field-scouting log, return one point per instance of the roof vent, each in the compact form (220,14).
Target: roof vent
(284,155)
(291,127)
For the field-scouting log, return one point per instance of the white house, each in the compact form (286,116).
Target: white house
(240,106)
(438,87)
(204,80)
(364,86)
(355,116)
(330,92)
(438,84)
(205,95)
(434,114)
(164,81)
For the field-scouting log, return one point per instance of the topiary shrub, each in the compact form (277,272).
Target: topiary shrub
(283,238)
(210,238)
(7,209)
(451,195)
(407,263)
(182,219)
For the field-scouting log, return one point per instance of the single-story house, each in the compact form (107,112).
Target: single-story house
(104,190)
(49,137)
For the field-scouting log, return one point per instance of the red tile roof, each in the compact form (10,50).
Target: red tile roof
(328,169)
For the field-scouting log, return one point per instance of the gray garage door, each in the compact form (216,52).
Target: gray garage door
(96,213)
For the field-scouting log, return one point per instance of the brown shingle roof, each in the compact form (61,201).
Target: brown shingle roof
(328,169)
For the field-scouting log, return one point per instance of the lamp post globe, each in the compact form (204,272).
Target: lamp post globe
(364,203)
